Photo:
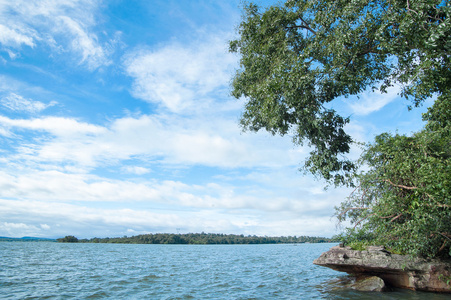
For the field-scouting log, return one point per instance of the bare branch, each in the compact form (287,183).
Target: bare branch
(400,185)
(395,217)
(363,219)
(391,216)
(351,208)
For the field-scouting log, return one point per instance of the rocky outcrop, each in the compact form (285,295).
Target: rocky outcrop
(395,270)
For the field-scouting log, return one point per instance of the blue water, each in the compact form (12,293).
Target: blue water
(45,270)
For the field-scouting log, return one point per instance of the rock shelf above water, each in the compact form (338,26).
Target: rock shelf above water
(400,271)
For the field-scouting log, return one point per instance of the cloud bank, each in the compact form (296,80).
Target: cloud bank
(106,133)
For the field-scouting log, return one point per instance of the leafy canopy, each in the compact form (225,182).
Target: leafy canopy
(298,56)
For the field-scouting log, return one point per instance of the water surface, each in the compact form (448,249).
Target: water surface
(40,270)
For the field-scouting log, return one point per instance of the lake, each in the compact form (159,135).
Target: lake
(40,270)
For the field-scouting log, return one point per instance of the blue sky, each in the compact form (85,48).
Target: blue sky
(116,119)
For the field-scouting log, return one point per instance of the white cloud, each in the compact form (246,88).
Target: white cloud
(175,141)
(177,75)
(66,26)
(11,229)
(370,102)
(273,202)
(57,186)
(45,226)
(234,204)
(84,221)
(135,170)
(62,127)
(86,44)
(5,132)
(12,38)
(61,186)
(16,102)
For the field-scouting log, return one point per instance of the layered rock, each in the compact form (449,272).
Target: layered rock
(400,271)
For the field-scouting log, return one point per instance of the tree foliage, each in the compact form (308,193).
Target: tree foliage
(403,200)
(297,57)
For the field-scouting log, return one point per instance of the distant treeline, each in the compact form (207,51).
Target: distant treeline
(200,239)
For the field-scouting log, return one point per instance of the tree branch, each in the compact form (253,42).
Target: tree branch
(409,9)
(439,205)
(445,235)
(395,217)
(400,185)
(443,246)
(351,208)
(306,26)
(391,216)
(361,220)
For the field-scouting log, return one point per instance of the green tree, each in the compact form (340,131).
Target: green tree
(403,200)
(68,239)
(297,57)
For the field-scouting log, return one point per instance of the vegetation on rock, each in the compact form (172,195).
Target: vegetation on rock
(403,200)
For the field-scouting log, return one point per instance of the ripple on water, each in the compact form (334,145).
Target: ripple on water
(148,278)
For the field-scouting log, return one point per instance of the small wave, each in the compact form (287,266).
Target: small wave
(97,295)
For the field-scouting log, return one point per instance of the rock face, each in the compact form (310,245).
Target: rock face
(396,270)
(370,284)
